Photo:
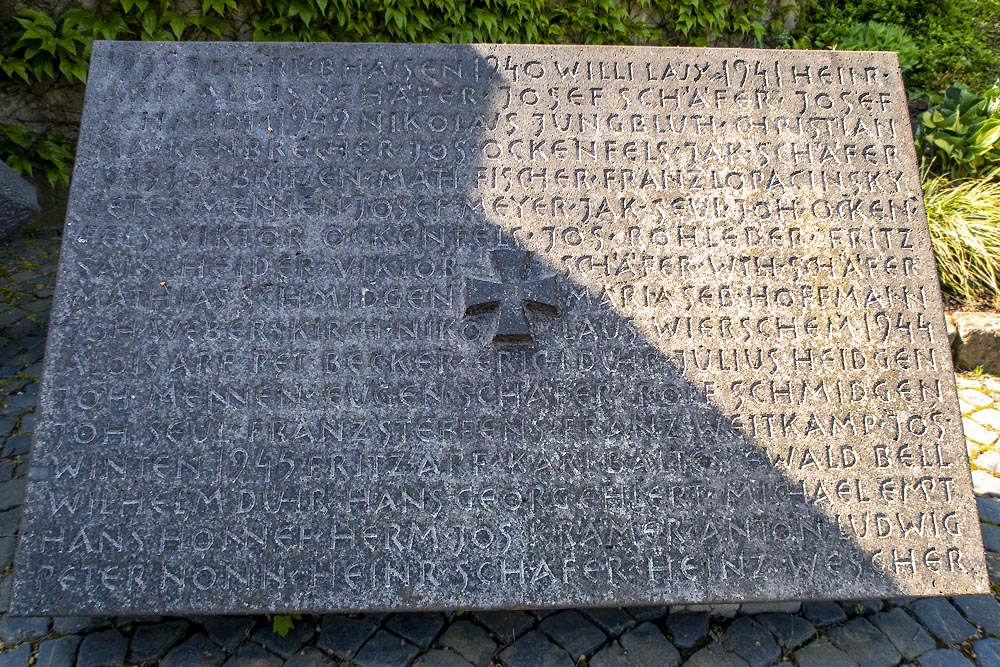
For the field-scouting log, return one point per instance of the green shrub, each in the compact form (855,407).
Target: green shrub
(961,134)
(963,215)
(958,39)
(875,36)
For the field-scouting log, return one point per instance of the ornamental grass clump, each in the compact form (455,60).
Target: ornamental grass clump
(964,220)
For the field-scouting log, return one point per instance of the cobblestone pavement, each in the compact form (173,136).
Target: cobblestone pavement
(932,632)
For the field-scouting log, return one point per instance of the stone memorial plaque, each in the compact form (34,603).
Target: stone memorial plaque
(353,326)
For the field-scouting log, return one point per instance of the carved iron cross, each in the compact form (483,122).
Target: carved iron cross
(513,294)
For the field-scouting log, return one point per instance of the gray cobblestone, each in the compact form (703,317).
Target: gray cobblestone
(714,655)
(302,631)
(752,641)
(252,655)
(421,629)
(863,642)
(71,625)
(909,637)
(790,630)
(19,657)
(102,649)
(470,641)
(197,651)
(943,620)
(9,522)
(506,625)
(14,630)
(151,642)
(987,652)
(647,613)
(611,656)
(983,610)
(309,657)
(59,652)
(440,658)
(822,614)
(12,491)
(385,649)
(535,650)
(573,632)
(989,509)
(647,647)
(821,653)
(228,631)
(687,628)
(344,635)
(612,620)
(944,657)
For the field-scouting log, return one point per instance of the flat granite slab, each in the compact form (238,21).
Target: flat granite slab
(360,327)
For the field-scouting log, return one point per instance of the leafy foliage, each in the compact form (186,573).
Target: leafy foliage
(963,215)
(957,39)
(24,150)
(282,624)
(961,134)
(875,36)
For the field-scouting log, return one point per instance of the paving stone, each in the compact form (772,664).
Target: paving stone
(974,398)
(19,657)
(611,656)
(420,629)
(754,608)
(14,630)
(102,649)
(714,655)
(151,642)
(647,613)
(821,653)
(309,656)
(987,652)
(470,641)
(385,649)
(535,650)
(16,446)
(506,625)
(988,460)
(72,625)
(983,610)
(977,433)
(59,652)
(573,632)
(302,631)
(861,607)
(991,536)
(252,655)
(993,566)
(990,418)
(647,647)
(7,546)
(944,657)
(612,620)
(791,631)
(440,658)
(752,641)
(989,509)
(687,628)
(344,635)
(9,522)
(864,643)
(943,620)
(909,637)
(822,614)
(12,491)
(228,631)
(197,651)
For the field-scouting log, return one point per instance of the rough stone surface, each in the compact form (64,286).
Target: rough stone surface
(197,651)
(865,644)
(647,646)
(978,344)
(19,657)
(987,652)
(228,631)
(821,653)
(252,655)
(421,629)
(983,610)
(715,655)
(908,636)
(151,642)
(535,650)
(102,649)
(440,658)
(417,301)
(385,649)
(752,641)
(943,620)
(687,628)
(573,632)
(470,641)
(309,657)
(288,644)
(944,657)
(14,630)
(344,635)
(18,201)
(506,625)
(791,631)
(58,652)
(823,613)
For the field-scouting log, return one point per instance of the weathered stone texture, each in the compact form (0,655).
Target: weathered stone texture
(410,327)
